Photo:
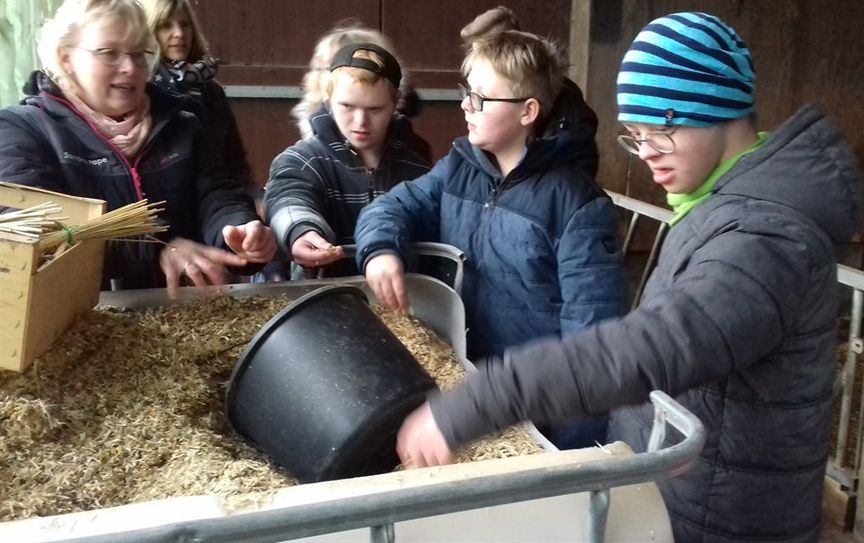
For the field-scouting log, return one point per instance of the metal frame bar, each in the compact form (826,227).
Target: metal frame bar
(380,510)
(640,209)
(848,376)
(849,477)
(287,92)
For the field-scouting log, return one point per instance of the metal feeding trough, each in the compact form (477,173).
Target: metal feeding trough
(596,494)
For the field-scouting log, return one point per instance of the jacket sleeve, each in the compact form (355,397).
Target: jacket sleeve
(26,158)
(222,200)
(296,197)
(721,314)
(409,212)
(591,268)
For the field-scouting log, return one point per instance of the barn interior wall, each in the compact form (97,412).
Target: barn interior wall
(804,52)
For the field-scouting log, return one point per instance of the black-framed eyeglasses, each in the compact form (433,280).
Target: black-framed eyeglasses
(661,142)
(477,100)
(114,57)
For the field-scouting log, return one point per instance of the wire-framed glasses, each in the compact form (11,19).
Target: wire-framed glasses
(661,142)
(477,100)
(114,57)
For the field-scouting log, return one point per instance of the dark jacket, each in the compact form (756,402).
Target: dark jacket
(542,250)
(45,143)
(737,322)
(321,184)
(208,101)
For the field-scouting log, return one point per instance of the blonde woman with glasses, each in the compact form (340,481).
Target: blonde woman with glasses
(91,126)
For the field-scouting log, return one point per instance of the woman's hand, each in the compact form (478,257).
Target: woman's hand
(420,442)
(386,278)
(252,241)
(200,264)
(312,251)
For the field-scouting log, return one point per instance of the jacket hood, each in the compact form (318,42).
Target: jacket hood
(805,165)
(570,112)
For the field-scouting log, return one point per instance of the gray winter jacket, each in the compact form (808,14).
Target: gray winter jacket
(737,322)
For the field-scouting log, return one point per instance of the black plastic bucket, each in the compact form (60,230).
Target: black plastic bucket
(324,386)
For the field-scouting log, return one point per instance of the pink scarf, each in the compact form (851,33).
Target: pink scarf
(127,135)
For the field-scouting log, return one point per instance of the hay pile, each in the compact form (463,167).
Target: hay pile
(436,356)
(128,407)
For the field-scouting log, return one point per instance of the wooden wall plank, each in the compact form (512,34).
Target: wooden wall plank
(269,42)
(272,35)
(428,38)
(804,51)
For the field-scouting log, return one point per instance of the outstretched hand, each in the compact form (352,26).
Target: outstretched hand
(420,442)
(311,250)
(252,241)
(200,264)
(386,278)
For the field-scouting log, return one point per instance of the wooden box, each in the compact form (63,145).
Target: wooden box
(38,303)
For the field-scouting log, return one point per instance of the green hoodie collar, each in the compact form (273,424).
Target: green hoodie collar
(682,204)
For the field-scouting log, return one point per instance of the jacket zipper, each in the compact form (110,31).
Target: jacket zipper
(133,169)
(495,192)
(370,173)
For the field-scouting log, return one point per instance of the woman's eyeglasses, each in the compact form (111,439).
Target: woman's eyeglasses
(114,57)
(661,142)
(477,100)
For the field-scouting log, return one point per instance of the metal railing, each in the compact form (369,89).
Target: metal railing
(396,502)
(837,466)
(641,209)
(851,278)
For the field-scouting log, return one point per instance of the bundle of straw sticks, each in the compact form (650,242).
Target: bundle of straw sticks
(42,224)
(135,219)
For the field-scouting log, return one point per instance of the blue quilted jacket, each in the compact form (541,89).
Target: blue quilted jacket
(543,257)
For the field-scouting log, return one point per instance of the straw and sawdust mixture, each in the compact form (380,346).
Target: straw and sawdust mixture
(128,407)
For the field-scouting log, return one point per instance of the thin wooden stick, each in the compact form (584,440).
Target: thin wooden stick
(32,222)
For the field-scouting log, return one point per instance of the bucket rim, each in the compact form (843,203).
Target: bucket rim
(258,339)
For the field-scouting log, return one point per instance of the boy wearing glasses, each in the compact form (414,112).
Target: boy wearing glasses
(543,257)
(738,319)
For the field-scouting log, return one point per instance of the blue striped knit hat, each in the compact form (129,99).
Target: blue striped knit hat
(686,69)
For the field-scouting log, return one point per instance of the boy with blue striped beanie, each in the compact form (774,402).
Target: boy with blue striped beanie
(738,319)
(688,70)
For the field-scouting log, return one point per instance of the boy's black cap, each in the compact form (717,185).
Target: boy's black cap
(390,71)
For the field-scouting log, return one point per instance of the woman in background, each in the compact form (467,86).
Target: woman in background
(91,126)
(187,67)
